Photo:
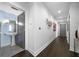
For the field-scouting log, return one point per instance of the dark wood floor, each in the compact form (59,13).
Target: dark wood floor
(23,54)
(58,48)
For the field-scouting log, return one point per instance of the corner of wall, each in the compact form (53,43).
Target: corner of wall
(71,49)
(35,53)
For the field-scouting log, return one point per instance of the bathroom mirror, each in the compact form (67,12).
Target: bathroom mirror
(0,26)
(9,26)
(12,26)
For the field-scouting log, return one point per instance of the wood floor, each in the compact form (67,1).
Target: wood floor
(23,54)
(58,48)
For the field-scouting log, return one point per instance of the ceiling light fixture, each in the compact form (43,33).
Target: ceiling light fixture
(14,8)
(59,11)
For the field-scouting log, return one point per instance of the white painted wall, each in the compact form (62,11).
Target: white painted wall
(39,39)
(36,14)
(74,24)
(26,7)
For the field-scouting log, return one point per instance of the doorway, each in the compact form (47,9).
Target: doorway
(62,30)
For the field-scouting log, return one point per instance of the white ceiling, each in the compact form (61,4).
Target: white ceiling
(23,5)
(5,6)
(53,7)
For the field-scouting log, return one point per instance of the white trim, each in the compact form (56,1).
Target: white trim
(26,40)
(77,51)
(35,53)
(71,48)
(67,37)
(57,29)
(32,52)
(26,30)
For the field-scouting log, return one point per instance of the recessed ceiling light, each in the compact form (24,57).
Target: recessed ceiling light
(59,11)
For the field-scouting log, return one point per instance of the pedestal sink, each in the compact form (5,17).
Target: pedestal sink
(12,38)
(11,31)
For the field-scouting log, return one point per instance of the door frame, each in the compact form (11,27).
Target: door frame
(66,28)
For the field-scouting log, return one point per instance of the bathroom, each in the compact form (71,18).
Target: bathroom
(12,30)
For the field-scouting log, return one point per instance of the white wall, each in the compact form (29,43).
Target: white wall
(36,14)
(74,24)
(26,7)
(39,39)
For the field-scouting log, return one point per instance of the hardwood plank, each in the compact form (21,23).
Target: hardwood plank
(58,48)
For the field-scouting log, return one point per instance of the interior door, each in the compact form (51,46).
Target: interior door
(63,30)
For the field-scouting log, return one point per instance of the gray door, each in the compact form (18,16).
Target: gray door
(63,30)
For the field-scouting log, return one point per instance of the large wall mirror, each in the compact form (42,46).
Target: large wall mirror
(0,27)
(9,26)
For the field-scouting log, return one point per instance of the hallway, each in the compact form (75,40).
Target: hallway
(58,48)
(36,27)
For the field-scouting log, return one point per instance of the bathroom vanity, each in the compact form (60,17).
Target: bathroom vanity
(8,30)
(12,29)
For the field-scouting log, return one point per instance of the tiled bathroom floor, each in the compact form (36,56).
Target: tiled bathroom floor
(9,51)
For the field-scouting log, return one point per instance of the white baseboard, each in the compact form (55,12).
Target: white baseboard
(32,52)
(35,53)
(77,51)
(71,50)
